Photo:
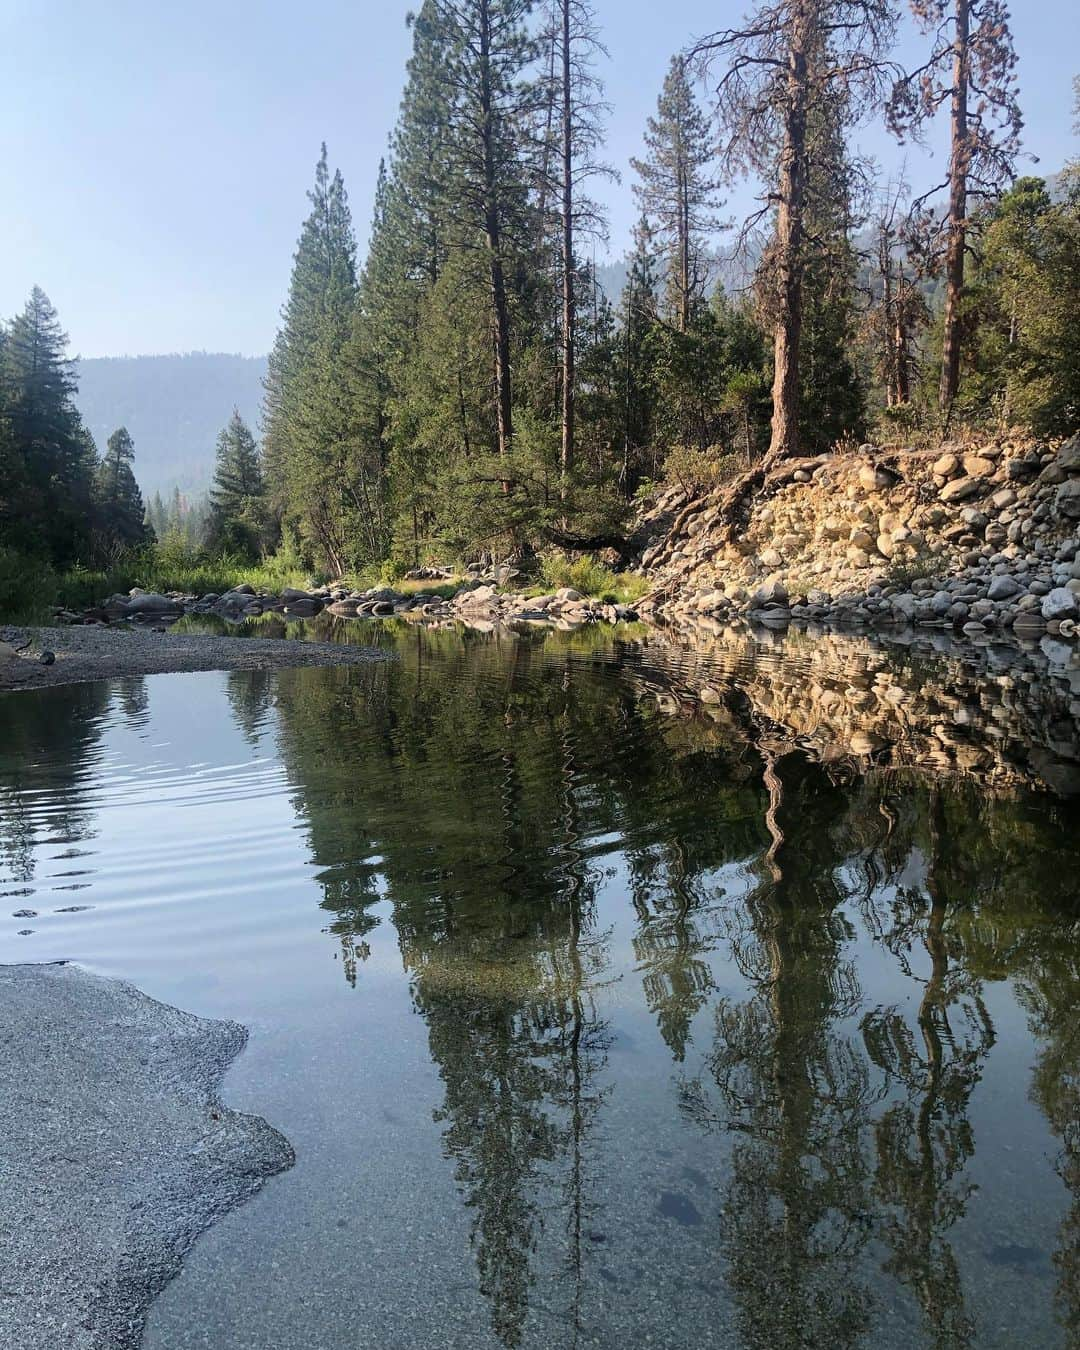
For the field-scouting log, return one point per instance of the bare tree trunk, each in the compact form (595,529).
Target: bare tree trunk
(493,242)
(566,457)
(684,246)
(959,154)
(789,247)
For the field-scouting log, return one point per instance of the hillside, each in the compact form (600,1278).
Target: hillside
(174,406)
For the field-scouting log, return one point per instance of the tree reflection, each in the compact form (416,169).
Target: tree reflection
(794,1091)
(924,1141)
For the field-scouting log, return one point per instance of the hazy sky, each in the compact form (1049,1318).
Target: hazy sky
(156,155)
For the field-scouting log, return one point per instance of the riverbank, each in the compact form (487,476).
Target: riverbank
(115,1153)
(980,539)
(81,653)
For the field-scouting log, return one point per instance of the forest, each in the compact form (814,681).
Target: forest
(467,391)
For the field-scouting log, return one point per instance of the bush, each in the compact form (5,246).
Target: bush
(27,588)
(699,470)
(592,578)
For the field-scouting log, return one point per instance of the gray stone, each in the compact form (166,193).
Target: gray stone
(1067,500)
(150,602)
(960,489)
(1060,603)
(1004,588)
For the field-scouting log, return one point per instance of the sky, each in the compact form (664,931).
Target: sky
(156,156)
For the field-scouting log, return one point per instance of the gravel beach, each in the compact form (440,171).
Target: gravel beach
(95,653)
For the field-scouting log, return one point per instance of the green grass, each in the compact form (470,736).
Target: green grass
(592,578)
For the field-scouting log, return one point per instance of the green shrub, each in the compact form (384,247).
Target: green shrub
(592,578)
(27,588)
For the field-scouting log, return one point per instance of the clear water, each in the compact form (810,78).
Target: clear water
(612,994)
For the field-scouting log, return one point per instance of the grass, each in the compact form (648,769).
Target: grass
(593,579)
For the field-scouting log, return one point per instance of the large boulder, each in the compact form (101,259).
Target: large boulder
(151,602)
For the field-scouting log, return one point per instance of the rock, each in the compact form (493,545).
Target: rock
(772,593)
(1004,588)
(1022,470)
(946,465)
(771,558)
(151,602)
(290,594)
(566,594)
(1067,499)
(875,478)
(1068,457)
(47,658)
(960,489)
(978,466)
(1060,603)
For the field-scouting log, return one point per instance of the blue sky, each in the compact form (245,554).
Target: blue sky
(156,155)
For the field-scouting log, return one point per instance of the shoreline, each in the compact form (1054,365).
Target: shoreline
(85,653)
(116,1152)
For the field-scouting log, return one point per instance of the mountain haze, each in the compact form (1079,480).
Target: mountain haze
(173,406)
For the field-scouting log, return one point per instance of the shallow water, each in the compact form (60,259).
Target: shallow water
(612,993)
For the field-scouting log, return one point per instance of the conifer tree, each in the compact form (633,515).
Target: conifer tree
(308,442)
(677,191)
(971,67)
(237,520)
(490,102)
(120,512)
(49,451)
(785,60)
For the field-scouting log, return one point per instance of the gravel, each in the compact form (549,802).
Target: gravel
(92,653)
(115,1153)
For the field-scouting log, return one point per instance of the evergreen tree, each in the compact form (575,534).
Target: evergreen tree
(120,513)
(46,499)
(676,191)
(308,441)
(237,522)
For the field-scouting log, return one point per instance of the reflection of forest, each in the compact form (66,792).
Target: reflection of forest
(47,740)
(483,785)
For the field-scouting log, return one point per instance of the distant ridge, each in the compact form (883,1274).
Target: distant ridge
(174,406)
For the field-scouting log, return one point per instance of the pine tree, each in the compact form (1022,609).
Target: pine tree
(237,498)
(677,192)
(119,513)
(787,59)
(307,443)
(49,451)
(490,102)
(971,67)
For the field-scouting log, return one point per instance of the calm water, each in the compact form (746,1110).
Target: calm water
(611,994)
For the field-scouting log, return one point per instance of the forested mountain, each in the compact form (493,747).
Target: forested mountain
(173,406)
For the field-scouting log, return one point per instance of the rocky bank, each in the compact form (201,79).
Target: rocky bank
(982,539)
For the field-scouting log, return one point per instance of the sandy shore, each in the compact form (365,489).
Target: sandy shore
(91,653)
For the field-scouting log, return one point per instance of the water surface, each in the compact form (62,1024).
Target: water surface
(611,992)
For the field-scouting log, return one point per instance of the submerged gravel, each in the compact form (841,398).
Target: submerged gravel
(115,1153)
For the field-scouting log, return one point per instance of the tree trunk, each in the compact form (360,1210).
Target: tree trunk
(684,244)
(789,248)
(959,154)
(493,243)
(566,457)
